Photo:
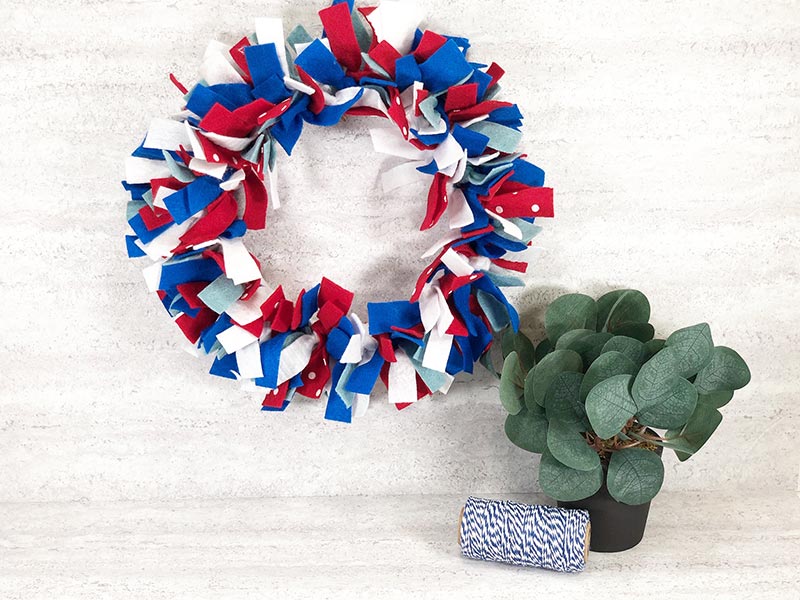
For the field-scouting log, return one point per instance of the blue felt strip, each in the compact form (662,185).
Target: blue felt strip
(401,313)
(225,366)
(270,361)
(190,200)
(321,64)
(143,233)
(406,71)
(133,250)
(337,343)
(363,379)
(136,190)
(209,337)
(309,305)
(445,68)
(272,90)
(263,62)
(174,273)
(336,409)
(280,408)
(527,173)
(473,142)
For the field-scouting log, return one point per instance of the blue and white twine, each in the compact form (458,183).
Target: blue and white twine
(519,534)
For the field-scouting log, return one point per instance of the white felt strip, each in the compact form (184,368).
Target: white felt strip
(247,311)
(402,379)
(233,182)
(446,317)
(429,308)
(389,141)
(235,338)
(360,405)
(437,351)
(217,67)
(194,142)
(240,266)
(448,153)
(295,357)
(459,213)
(166,134)
(457,263)
(353,351)
(396,22)
(298,86)
(152,276)
(229,143)
(269,30)
(248,359)
(509,227)
(216,170)
(450,237)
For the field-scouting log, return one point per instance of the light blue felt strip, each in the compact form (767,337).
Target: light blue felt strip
(220,294)
(501,138)
(495,311)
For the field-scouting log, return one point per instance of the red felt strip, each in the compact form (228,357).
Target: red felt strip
(317,372)
(421,95)
(193,327)
(385,55)
(396,111)
(256,201)
(317,98)
(237,54)
(496,73)
(282,321)
(275,398)
(178,84)
(437,201)
(484,108)
(333,293)
(221,213)
(428,45)
(531,202)
(271,304)
(461,96)
(155,217)
(339,29)
(385,348)
(297,315)
(511,265)
(189,292)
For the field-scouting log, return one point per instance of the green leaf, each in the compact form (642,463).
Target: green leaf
(610,405)
(643,332)
(634,475)
(569,339)
(716,399)
(725,371)
(525,351)
(591,346)
(652,348)
(560,482)
(570,311)
(672,408)
(563,400)
(511,387)
(558,361)
(622,306)
(653,378)
(570,448)
(607,365)
(528,429)
(507,341)
(692,348)
(543,348)
(698,429)
(630,347)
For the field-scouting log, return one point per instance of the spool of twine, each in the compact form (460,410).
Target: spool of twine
(519,534)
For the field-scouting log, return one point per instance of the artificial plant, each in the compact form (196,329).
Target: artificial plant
(599,396)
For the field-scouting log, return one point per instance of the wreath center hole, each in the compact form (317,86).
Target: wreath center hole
(336,221)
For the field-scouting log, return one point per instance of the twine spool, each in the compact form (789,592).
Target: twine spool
(520,534)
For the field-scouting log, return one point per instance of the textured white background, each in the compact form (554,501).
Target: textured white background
(669,129)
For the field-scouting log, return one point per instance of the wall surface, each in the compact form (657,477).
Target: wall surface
(669,129)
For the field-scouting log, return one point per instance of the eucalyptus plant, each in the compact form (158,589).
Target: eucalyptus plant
(600,396)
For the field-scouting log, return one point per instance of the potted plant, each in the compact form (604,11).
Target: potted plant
(600,399)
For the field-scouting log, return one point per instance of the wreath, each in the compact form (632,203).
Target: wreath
(203,178)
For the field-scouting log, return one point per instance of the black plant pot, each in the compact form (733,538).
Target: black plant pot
(615,526)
